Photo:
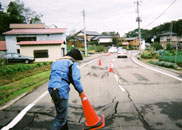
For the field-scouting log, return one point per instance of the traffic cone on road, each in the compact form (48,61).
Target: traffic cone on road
(99,61)
(93,121)
(111,67)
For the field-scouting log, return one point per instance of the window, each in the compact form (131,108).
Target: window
(19,39)
(14,55)
(41,54)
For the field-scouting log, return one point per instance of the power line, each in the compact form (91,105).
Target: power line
(160,14)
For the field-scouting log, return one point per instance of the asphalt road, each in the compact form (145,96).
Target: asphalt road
(133,97)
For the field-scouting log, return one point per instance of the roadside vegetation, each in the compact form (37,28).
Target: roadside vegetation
(16,79)
(169,57)
(92,49)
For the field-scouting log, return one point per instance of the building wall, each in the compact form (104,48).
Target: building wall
(45,37)
(11,42)
(54,51)
(105,40)
(164,40)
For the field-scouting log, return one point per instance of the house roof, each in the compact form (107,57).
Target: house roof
(55,42)
(36,31)
(89,33)
(168,34)
(2,46)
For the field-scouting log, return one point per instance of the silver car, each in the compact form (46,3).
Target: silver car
(113,50)
(122,53)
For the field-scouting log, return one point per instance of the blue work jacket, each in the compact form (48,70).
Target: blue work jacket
(59,77)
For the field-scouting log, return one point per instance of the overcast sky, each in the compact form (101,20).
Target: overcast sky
(104,15)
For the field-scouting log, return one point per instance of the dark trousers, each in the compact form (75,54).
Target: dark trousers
(61,105)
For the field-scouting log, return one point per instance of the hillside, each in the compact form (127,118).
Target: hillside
(156,31)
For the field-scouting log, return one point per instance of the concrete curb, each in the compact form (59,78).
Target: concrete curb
(11,102)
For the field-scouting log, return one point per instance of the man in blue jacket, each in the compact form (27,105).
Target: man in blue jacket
(63,72)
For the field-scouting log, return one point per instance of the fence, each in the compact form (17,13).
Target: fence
(173,59)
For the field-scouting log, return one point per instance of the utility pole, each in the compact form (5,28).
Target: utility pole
(138,19)
(171,32)
(84,29)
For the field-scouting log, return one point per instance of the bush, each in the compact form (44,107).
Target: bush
(100,49)
(156,46)
(146,55)
(165,64)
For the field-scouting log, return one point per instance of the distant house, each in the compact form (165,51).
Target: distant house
(133,41)
(105,40)
(169,38)
(45,44)
(2,47)
(89,34)
(78,38)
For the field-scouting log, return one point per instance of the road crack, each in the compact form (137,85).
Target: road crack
(141,117)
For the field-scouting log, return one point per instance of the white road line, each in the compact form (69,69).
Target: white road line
(88,62)
(18,117)
(156,70)
(119,83)
(27,108)
(23,112)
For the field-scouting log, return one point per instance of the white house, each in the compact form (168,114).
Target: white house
(104,40)
(35,40)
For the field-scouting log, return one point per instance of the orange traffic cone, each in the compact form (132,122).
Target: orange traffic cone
(99,61)
(111,67)
(93,121)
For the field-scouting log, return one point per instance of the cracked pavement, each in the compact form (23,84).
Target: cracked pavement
(151,101)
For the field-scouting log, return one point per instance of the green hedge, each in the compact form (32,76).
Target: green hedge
(164,64)
(171,59)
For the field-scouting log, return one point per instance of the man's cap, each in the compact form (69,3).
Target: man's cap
(75,54)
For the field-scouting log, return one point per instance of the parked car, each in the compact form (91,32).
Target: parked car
(15,57)
(113,50)
(122,53)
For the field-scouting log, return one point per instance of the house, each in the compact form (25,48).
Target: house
(133,41)
(89,34)
(169,38)
(105,40)
(2,47)
(45,44)
(77,39)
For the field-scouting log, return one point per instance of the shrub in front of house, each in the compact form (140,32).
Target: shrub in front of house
(149,55)
(164,64)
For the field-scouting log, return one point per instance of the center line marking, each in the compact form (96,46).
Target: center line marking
(119,83)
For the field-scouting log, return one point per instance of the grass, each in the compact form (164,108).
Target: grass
(17,83)
(10,91)
(18,75)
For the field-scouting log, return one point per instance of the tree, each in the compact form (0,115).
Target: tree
(147,35)
(17,13)
(31,17)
